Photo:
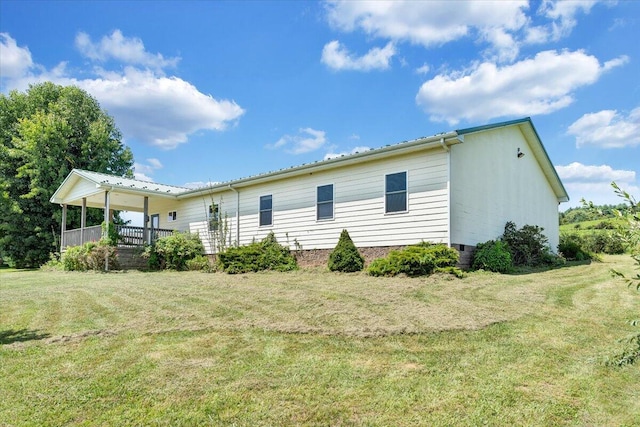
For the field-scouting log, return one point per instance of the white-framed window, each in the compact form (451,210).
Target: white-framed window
(324,202)
(214,217)
(173,215)
(266,210)
(395,193)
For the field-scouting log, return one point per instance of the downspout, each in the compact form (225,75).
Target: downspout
(446,148)
(237,213)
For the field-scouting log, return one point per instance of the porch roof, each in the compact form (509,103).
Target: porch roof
(126,193)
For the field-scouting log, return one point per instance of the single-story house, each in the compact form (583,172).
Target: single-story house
(457,188)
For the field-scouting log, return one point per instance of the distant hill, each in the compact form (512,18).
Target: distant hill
(595,213)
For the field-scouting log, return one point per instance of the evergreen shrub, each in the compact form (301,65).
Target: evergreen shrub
(492,255)
(345,256)
(267,254)
(417,260)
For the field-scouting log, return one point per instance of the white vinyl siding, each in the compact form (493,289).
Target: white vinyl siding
(359,205)
(490,185)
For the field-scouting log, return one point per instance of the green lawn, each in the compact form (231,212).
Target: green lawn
(316,348)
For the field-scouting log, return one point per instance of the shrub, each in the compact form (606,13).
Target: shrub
(416,260)
(345,256)
(172,252)
(527,245)
(267,254)
(199,263)
(90,256)
(493,256)
(572,248)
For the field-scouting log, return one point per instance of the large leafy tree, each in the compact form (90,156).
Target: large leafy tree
(45,132)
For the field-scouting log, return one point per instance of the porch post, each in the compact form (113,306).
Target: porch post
(107,210)
(83,219)
(63,227)
(145,221)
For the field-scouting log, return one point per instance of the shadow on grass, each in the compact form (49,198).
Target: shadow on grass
(12,335)
(520,271)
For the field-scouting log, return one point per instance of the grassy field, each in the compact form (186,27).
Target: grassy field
(316,348)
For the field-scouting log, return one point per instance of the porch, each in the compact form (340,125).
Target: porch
(128,236)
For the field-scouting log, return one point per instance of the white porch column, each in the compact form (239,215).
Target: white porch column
(107,210)
(83,219)
(145,221)
(63,227)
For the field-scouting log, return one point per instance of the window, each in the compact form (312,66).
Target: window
(324,208)
(266,210)
(214,217)
(173,215)
(396,192)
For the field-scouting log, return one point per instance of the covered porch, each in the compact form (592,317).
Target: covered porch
(110,193)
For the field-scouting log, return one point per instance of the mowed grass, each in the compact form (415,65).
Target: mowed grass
(317,348)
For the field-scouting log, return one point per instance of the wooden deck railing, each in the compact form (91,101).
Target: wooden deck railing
(129,235)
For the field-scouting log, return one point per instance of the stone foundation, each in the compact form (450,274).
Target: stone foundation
(131,259)
(320,257)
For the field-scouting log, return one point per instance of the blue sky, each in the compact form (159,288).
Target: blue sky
(212,91)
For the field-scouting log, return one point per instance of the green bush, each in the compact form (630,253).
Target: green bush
(345,256)
(199,263)
(416,260)
(572,247)
(492,255)
(90,256)
(267,254)
(527,246)
(172,252)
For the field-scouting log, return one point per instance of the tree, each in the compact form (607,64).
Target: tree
(45,132)
(630,236)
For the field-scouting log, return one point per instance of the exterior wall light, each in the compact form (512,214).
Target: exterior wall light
(520,153)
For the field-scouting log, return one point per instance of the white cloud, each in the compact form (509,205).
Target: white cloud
(355,150)
(538,85)
(607,129)
(433,23)
(142,171)
(305,141)
(129,50)
(563,14)
(337,57)
(15,61)
(146,105)
(424,69)
(590,173)
(593,183)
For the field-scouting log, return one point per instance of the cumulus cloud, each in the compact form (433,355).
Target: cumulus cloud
(538,85)
(305,141)
(146,104)
(337,57)
(142,171)
(563,15)
(607,129)
(16,61)
(593,182)
(433,23)
(129,50)
(160,110)
(355,150)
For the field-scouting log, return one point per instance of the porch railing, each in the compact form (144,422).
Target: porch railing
(129,235)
